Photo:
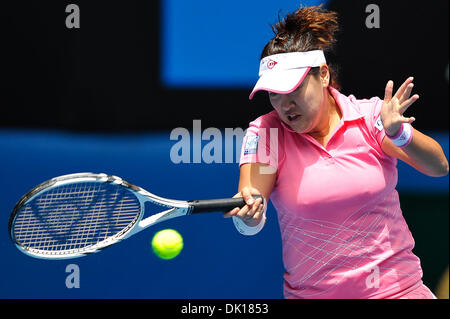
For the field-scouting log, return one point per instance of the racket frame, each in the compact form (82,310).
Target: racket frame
(176,208)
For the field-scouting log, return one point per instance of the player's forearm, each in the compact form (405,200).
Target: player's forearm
(426,155)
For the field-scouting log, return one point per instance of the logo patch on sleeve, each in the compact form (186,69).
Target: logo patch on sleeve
(379,124)
(251,144)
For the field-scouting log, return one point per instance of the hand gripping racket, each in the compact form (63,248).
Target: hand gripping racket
(75,215)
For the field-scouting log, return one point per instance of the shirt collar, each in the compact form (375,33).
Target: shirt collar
(348,109)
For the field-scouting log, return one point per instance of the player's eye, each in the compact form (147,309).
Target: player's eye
(273,95)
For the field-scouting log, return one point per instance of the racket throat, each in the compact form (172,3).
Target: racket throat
(162,216)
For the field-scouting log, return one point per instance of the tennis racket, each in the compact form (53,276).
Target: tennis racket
(78,214)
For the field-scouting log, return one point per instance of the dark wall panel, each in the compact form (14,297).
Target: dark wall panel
(106,75)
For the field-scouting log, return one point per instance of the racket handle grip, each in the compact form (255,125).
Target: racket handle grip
(218,205)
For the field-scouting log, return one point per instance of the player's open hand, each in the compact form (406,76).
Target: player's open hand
(250,213)
(395,106)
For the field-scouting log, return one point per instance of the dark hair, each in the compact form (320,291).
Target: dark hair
(306,29)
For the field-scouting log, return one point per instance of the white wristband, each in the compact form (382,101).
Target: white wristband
(246,230)
(403,137)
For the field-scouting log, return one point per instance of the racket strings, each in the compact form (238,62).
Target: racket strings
(75,216)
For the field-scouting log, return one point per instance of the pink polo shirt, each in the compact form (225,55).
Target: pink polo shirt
(343,232)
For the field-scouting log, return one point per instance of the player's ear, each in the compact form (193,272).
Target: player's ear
(324,75)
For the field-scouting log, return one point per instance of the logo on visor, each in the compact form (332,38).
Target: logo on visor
(271,63)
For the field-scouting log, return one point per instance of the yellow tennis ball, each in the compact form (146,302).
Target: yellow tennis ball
(167,243)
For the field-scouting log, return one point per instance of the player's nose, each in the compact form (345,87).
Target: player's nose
(287,103)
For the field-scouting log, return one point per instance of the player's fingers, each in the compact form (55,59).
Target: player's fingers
(243,211)
(235,210)
(232,212)
(402,88)
(247,195)
(407,119)
(395,104)
(254,208)
(406,93)
(406,104)
(258,212)
(388,91)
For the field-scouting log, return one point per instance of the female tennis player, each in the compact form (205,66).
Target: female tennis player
(328,163)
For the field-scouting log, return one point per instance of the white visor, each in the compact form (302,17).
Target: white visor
(283,73)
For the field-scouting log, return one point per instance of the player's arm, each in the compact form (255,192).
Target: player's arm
(254,179)
(423,153)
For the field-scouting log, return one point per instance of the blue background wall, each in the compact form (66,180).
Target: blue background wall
(216,262)
(208,44)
